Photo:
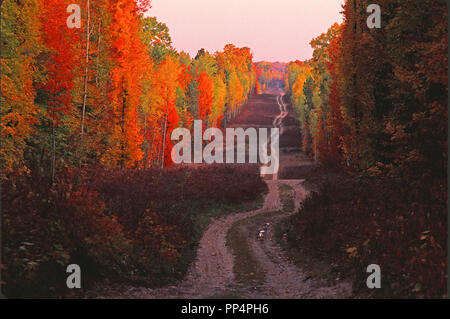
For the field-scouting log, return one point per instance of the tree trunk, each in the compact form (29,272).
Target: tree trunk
(86,67)
(122,126)
(164,137)
(53,154)
(98,50)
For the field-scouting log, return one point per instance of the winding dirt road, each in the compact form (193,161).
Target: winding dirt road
(212,273)
(283,113)
(283,279)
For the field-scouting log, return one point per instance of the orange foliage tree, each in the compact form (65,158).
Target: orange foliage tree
(130,62)
(20,48)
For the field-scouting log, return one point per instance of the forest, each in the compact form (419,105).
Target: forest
(270,74)
(372,107)
(106,95)
(110,92)
(86,121)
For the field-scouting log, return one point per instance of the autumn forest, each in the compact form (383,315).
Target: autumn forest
(87,115)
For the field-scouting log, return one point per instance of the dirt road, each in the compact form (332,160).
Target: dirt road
(212,273)
(282,278)
(277,123)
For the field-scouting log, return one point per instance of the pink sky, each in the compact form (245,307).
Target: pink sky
(275,30)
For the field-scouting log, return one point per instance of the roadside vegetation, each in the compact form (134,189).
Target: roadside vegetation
(141,226)
(351,223)
(286,194)
(378,128)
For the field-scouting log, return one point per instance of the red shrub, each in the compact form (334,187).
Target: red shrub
(45,230)
(401,228)
(137,224)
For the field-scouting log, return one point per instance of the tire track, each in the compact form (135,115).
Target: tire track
(277,123)
(283,279)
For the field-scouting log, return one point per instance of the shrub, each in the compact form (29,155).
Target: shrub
(376,221)
(46,229)
(140,225)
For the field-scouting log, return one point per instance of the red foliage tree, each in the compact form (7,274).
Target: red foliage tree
(60,42)
(130,64)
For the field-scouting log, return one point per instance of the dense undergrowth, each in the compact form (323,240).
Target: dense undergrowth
(134,225)
(353,222)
